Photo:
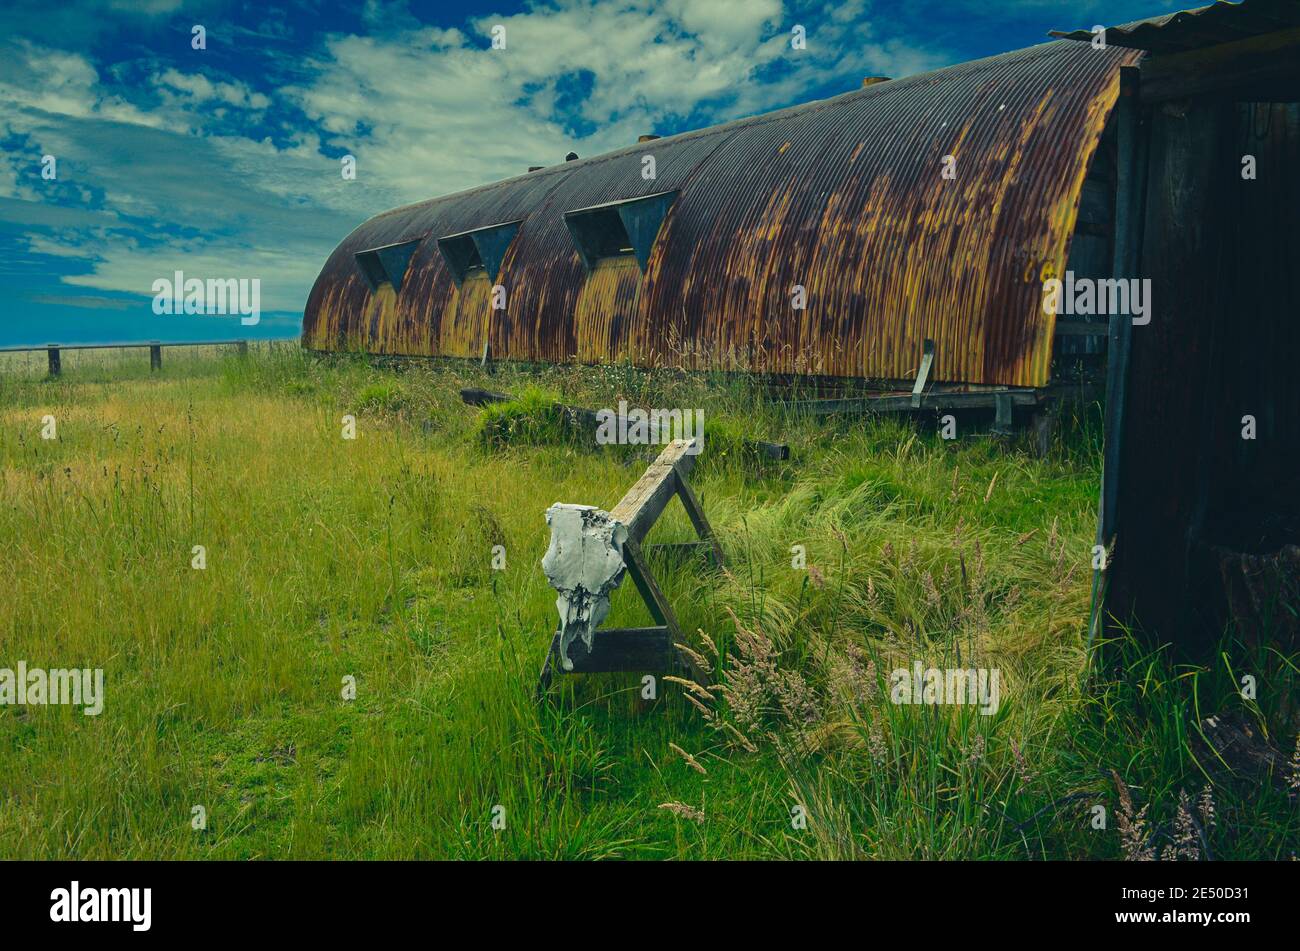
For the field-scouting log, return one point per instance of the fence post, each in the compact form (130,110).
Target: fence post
(56,366)
(155,356)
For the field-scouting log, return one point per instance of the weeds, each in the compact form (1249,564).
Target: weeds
(373,559)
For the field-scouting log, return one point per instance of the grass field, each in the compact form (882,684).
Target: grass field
(329,558)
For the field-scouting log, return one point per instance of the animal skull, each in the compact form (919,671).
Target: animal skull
(584,563)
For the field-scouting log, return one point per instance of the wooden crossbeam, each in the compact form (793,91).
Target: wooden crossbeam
(679,550)
(617,649)
(978,399)
(644,502)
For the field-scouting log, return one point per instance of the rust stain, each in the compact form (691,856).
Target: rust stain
(842,197)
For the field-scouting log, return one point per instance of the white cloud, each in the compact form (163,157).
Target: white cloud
(444,111)
(426,111)
(283,271)
(199,89)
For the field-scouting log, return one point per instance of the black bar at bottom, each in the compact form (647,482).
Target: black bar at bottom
(223,900)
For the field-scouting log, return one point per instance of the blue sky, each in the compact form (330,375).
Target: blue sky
(223,162)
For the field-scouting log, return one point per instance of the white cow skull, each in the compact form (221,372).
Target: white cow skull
(584,563)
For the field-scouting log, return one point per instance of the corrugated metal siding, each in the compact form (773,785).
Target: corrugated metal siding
(1220,22)
(842,196)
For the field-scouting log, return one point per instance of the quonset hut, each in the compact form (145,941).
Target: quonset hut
(1125,162)
(698,266)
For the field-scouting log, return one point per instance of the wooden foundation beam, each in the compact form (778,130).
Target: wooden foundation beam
(588,419)
(979,399)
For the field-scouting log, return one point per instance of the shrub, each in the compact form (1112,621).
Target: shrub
(533,418)
(384,395)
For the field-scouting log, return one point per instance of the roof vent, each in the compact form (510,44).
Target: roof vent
(479,251)
(386,265)
(619,228)
(571,157)
(649,137)
(872,80)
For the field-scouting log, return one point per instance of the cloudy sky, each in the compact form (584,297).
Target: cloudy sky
(225,161)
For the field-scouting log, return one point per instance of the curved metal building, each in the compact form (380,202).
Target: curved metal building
(824,239)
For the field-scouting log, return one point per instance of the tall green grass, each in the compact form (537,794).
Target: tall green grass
(330,558)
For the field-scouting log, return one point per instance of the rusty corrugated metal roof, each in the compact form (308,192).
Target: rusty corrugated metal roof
(1220,22)
(842,196)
